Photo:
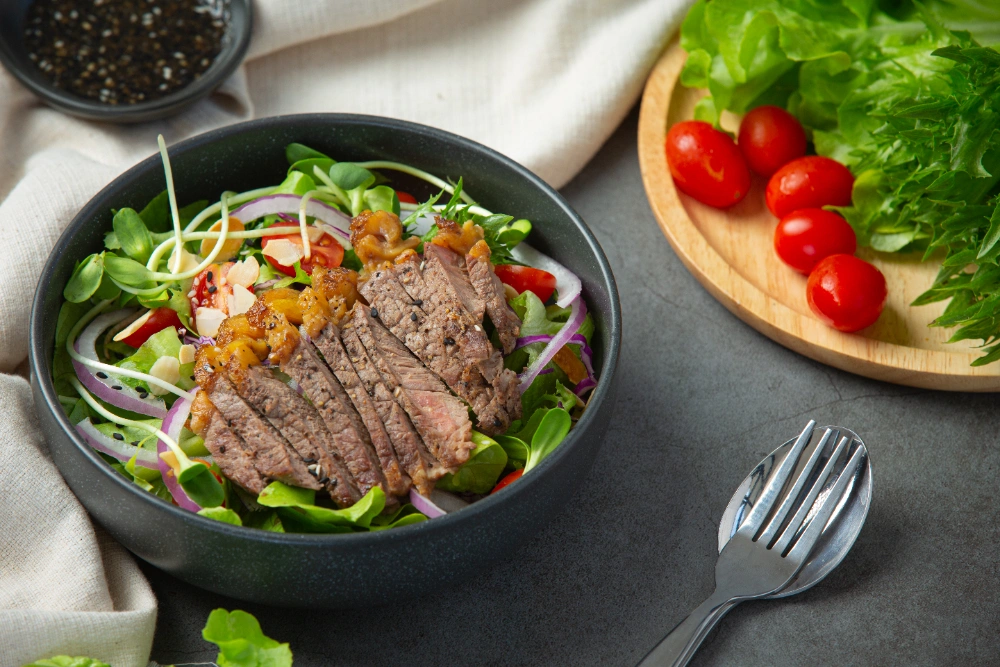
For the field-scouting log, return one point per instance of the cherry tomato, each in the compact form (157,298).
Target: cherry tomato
(522,278)
(512,477)
(154,321)
(325,252)
(809,182)
(804,237)
(207,290)
(706,164)
(405,197)
(770,138)
(846,292)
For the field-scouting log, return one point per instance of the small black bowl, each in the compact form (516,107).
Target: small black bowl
(14,57)
(332,571)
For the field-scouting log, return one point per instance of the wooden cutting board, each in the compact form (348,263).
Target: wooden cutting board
(731,253)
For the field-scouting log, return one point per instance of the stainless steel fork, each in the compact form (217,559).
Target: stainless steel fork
(771,545)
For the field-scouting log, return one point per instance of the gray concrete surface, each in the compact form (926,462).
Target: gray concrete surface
(703,398)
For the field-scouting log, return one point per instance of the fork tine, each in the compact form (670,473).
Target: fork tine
(776,482)
(845,482)
(793,526)
(792,497)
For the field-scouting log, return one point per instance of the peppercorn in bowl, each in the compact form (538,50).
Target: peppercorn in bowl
(124,61)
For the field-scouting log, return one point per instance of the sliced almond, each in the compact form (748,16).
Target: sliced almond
(314,233)
(242,299)
(244,273)
(509,292)
(186,354)
(187,261)
(167,369)
(171,460)
(283,251)
(135,326)
(208,320)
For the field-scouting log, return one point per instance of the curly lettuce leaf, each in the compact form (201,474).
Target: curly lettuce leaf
(242,643)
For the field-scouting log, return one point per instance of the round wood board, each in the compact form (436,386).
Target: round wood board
(731,253)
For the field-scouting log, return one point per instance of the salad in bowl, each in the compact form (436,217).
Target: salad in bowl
(325,354)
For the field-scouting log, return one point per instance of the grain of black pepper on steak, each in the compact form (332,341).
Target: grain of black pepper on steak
(303,428)
(274,458)
(440,418)
(424,470)
(353,440)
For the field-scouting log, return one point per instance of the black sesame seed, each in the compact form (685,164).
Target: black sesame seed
(134,443)
(449,341)
(374,312)
(117,387)
(192,378)
(103,376)
(119,436)
(222,449)
(497,422)
(418,302)
(326,480)
(413,317)
(309,461)
(211,289)
(143,394)
(209,276)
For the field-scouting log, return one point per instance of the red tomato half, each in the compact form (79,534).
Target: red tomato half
(325,252)
(846,292)
(523,278)
(809,182)
(512,477)
(405,198)
(156,321)
(706,164)
(207,290)
(770,138)
(804,237)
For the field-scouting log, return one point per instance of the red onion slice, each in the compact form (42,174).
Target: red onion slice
(117,448)
(333,219)
(568,285)
(578,311)
(172,425)
(433,508)
(125,397)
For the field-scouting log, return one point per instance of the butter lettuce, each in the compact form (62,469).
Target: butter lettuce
(242,643)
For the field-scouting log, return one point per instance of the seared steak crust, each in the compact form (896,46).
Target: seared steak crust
(490,290)
(336,357)
(274,458)
(424,470)
(440,418)
(230,454)
(303,428)
(347,434)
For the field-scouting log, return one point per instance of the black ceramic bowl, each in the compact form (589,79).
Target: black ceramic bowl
(329,570)
(14,56)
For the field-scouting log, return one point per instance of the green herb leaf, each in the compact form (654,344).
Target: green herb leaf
(85,280)
(132,234)
(301,501)
(298,152)
(201,485)
(221,514)
(479,474)
(551,431)
(242,643)
(349,176)
(127,270)
(382,198)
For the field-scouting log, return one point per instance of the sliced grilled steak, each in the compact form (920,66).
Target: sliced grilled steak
(449,266)
(440,418)
(346,431)
(328,343)
(274,458)
(490,290)
(230,454)
(305,431)
(424,470)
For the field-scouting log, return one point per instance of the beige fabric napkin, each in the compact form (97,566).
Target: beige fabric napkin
(543,81)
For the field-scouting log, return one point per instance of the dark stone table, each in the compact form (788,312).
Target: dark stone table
(703,398)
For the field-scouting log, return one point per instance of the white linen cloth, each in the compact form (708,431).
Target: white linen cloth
(543,81)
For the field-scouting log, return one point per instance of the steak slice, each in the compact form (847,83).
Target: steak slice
(424,470)
(274,458)
(490,290)
(346,431)
(441,419)
(450,268)
(328,343)
(303,428)
(229,453)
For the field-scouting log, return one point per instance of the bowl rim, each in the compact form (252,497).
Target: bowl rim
(229,58)
(40,366)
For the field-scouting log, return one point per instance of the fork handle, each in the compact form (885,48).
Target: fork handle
(677,648)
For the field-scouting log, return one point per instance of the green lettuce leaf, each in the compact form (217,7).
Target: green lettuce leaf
(298,505)
(221,514)
(242,643)
(479,474)
(67,661)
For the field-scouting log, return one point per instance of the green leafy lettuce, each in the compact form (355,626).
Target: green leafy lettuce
(242,643)
(67,661)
